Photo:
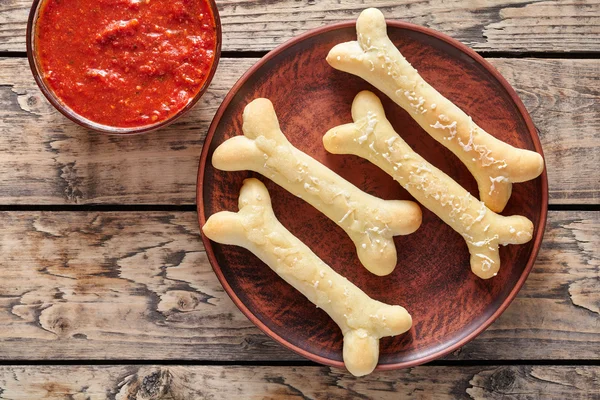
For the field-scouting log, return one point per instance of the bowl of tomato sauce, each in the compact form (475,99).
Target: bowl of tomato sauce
(123,66)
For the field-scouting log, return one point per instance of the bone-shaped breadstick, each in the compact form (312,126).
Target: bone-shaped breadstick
(363,321)
(493,163)
(482,229)
(370,222)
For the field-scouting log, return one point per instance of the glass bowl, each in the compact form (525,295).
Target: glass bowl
(57,102)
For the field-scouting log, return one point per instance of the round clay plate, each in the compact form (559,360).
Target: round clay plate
(433,281)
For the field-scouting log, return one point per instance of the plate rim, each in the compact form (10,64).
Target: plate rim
(533,132)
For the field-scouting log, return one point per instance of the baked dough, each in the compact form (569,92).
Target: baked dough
(363,321)
(369,221)
(493,163)
(482,229)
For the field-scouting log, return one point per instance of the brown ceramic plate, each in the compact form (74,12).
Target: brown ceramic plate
(449,305)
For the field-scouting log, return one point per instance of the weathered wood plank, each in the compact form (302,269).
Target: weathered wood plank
(559,288)
(46,159)
(137,285)
(228,382)
(563,99)
(507,25)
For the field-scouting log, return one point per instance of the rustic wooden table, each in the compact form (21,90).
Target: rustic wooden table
(106,292)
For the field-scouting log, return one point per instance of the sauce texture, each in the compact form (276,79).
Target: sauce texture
(125,63)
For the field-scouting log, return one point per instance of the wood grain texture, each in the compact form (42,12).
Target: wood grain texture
(558,289)
(488,25)
(563,107)
(137,285)
(49,160)
(229,382)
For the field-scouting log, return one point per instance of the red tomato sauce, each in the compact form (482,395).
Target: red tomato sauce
(126,63)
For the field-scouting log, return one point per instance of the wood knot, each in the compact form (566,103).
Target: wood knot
(153,385)
(182,301)
(502,379)
(61,320)
(32,101)
(60,325)
(187,301)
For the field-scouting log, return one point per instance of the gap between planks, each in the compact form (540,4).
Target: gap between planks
(486,25)
(101,208)
(285,363)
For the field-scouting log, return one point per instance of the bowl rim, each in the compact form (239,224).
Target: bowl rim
(107,129)
(537,239)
